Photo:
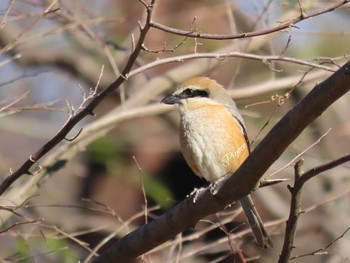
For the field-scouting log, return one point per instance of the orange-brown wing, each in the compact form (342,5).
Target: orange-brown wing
(238,144)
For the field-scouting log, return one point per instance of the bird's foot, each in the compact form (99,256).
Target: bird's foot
(195,193)
(213,187)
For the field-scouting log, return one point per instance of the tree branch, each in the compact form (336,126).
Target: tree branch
(295,208)
(266,59)
(187,214)
(321,251)
(282,26)
(88,110)
(322,168)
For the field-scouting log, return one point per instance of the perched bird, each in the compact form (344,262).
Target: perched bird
(213,138)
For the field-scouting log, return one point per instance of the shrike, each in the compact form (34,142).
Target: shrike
(213,138)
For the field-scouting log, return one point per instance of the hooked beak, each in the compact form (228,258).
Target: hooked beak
(171,99)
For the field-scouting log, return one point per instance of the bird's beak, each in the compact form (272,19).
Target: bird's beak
(171,99)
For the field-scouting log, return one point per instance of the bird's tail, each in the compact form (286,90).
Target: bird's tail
(261,235)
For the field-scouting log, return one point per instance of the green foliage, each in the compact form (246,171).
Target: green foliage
(109,153)
(57,250)
(22,248)
(63,252)
(104,149)
(158,191)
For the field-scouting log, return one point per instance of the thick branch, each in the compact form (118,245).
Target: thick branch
(187,214)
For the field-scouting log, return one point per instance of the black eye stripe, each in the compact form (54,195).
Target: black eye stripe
(191,93)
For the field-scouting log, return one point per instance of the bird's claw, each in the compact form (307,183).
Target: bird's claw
(195,193)
(214,186)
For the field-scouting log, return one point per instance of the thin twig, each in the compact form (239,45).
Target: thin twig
(23,96)
(75,136)
(269,182)
(286,46)
(4,18)
(230,240)
(11,44)
(300,154)
(143,189)
(2,231)
(9,60)
(302,13)
(143,257)
(322,168)
(321,251)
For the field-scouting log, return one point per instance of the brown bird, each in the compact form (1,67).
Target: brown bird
(213,138)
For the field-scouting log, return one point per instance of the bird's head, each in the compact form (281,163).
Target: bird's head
(199,92)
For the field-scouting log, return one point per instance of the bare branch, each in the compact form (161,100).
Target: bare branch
(302,13)
(76,136)
(300,154)
(69,125)
(322,168)
(277,84)
(4,18)
(18,224)
(295,210)
(143,189)
(322,251)
(11,44)
(23,96)
(282,26)
(221,56)
(9,60)
(269,182)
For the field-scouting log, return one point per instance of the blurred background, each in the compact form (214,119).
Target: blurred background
(92,190)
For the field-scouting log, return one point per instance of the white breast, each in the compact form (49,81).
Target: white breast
(205,140)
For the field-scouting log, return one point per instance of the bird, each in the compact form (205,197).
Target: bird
(213,138)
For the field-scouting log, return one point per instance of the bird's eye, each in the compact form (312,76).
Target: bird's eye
(191,93)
